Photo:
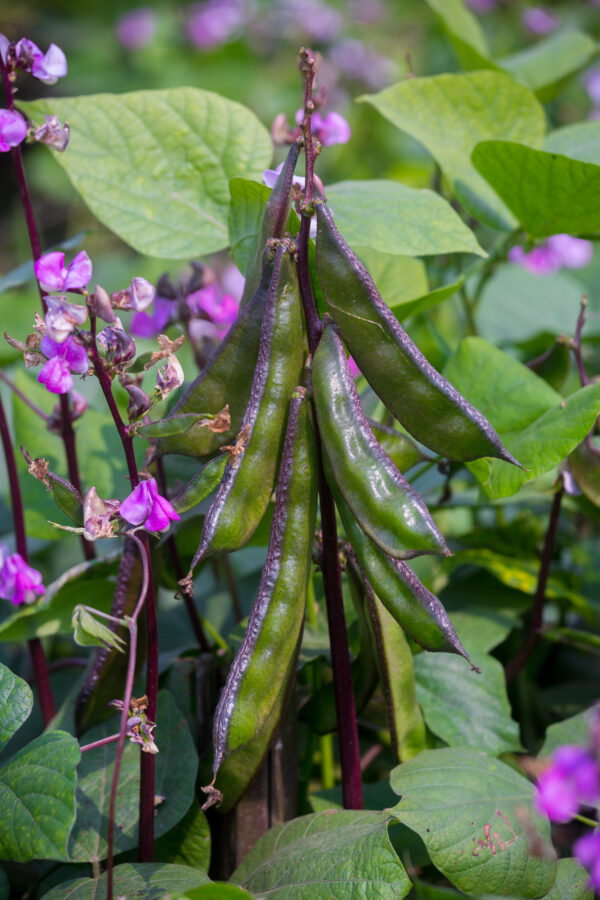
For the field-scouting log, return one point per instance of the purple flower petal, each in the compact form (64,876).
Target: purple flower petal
(79,272)
(50,271)
(556,796)
(334,129)
(56,375)
(13,129)
(137,506)
(51,66)
(587,851)
(572,252)
(161,515)
(144,324)
(135,29)
(19,583)
(76,357)
(4,45)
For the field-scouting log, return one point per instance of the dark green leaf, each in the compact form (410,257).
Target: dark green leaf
(547,192)
(37,798)
(427,301)
(574,730)
(318,856)
(450,114)
(68,499)
(188,844)
(580,141)
(154,166)
(465,33)
(475,816)
(571,882)
(399,279)
(16,701)
(218,890)
(248,199)
(176,767)
(142,881)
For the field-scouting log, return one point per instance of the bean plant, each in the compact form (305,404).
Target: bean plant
(308,552)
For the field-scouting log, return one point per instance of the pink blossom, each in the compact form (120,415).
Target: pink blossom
(138,296)
(219,311)
(331,129)
(52,274)
(47,67)
(62,317)
(560,250)
(212,23)
(63,359)
(270,177)
(571,780)
(354,370)
(539,20)
(19,583)
(13,129)
(232,281)
(587,851)
(137,27)
(592,85)
(144,506)
(144,324)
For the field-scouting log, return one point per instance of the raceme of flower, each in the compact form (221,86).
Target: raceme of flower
(27,56)
(63,358)
(558,251)
(144,506)
(19,583)
(330,129)
(13,129)
(139,727)
(53,275)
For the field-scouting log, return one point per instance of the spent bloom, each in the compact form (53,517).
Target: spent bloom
(138,296)
(139,726)
(63,359)
(144,506)
(557,252)
(53,134)
(13,129)
(53,275)
(19,583)
(136,28)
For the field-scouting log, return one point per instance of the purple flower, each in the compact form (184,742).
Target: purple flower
(210,24)
(136,28)
(47,67)
(63,359)
(148,325)
(52,275)
(232,281)
(539,20)
(560,250)
(117,344)
(62,317)
(332,129)
(587,851)
(592,85)
(144,506)
(138,296)
(571,780)
(13,129)
(19,583)
(270,177)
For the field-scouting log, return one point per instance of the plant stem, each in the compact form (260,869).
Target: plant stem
(36,651)
(340,659)
(107,740)
(537,613)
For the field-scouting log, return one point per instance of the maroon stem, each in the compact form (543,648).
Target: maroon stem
(36,651)
(111,739)
(338,636)
(537,613)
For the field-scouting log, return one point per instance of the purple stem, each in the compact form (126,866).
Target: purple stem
(107,740)
(36,651)
(340,659)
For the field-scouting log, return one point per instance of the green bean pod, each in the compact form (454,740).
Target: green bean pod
(428,406)
(274,220)
(247,484)
(387,507)
(224,380)
(409,602)
(260,676)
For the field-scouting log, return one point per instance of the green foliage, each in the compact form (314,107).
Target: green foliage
(16,701)
(90,632)
(142,881)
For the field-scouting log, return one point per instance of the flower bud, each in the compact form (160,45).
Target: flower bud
(139,402)
(117,344)
(99,305)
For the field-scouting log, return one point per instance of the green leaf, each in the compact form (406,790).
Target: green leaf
(89,632)
(548,193)
(571,882)
(154,166)
(450,114)
(480,628)
(37,798)
(176,767)
(218,890)
(465,708)
(534,422)
(465,33)
(142,881)
(399,279)
(517,305)
(580,141)
(51,614)
(548,64)
(16,701)
(475,815)
(174,425)
(332,853)
(248,200)
(574,730)
(67,498)
(427,301)
(188,844)
(392,218)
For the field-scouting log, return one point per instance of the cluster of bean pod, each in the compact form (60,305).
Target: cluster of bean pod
(271,445)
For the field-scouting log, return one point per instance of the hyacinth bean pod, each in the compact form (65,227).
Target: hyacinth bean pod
(408,601)
(259,679)
(428,406)
(224,380)
(387,507)
(245,489)
(274,220)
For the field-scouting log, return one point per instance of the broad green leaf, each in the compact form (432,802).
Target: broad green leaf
(480,629)
(392,218)
(475,815)
(580,141)
(548,64)
(52,613)
(464,32)
(37,798)
(517,305)
(176,767)
(534,422)
(465,708)
(139,881)
(154,166)
(548,193)
(427,301)
(450,114)
(248,199)
(571,882)
(333,853)
(399,279)
(90,632)
(435,892)
(67,498)
(584,464)
(574,730)
(218,890)
(16,701)
(188,844)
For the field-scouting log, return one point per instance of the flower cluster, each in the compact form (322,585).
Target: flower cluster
(139,727)
(330,129)
(557,252)
(572,781)
(145,507)
(19,583)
